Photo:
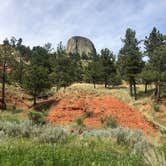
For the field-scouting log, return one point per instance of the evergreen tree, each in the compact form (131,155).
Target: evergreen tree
(155,49)
(147,76)
(130,60)
(23,55)
(94,71)
(38,76)
(6,58)
(64,71)
(108,65)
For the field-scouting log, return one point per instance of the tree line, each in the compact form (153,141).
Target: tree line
(39,68)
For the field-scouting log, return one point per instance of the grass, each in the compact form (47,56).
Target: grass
(47,145)
(22,152)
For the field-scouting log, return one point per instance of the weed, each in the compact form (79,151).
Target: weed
(102,119)
(110,122)
(79,121)
(36,117)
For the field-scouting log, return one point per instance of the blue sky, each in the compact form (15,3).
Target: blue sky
(102,21)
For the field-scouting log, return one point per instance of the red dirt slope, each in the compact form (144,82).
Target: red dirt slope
(69,108)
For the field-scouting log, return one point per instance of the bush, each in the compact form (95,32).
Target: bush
(40,133)
(110,122)
(9,118)
(102,119)
(13,109)
(36,117)
(156,107)
(52,134)
(79,121)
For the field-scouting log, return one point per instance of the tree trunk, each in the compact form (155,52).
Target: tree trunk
(158,92)
(146,87)
(34,100)
(135,90)
(3,86)
(94,84)
(156,89)
(20,71)
(131,89)
(105,81)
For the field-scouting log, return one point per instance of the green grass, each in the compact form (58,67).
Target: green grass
(25,153)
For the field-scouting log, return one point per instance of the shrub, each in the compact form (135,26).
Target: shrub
(9,118)
(102,119)
(52,134)
(13,109)
(156,107)
(110,122)
(36,117)
(79,121)
(40,133)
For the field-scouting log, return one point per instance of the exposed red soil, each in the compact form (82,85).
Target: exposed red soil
(69,108)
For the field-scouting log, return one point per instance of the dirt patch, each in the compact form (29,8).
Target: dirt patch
(69,108)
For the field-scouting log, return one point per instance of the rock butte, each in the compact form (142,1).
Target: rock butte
(81,45)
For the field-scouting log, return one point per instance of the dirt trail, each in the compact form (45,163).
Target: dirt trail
(69,108)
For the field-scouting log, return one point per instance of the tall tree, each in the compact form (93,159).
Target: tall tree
(93,71)
(147,76)
(37,81)
(130,60)
(155,50)
(108,64)
(23,55)
(6,57)
(65,71)
(158,63)
(38,76)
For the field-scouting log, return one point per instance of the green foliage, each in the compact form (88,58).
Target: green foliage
(156,51)
(130,59)
(115,80)
(107,59)
(38,133)
(37,80)
(110,122)
(10,118)
(65,71)
(102,119)
(36,117)
(13,109)
(93,71)
(79,121)
(156,107)
(154,40)
(27,154)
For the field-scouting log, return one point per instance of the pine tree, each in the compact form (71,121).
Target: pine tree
(6,58)
(108,65)
(93,71)
(130,60)
(65,71)
(38,75)
(155,46)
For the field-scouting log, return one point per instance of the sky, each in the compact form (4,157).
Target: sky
(102,21)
